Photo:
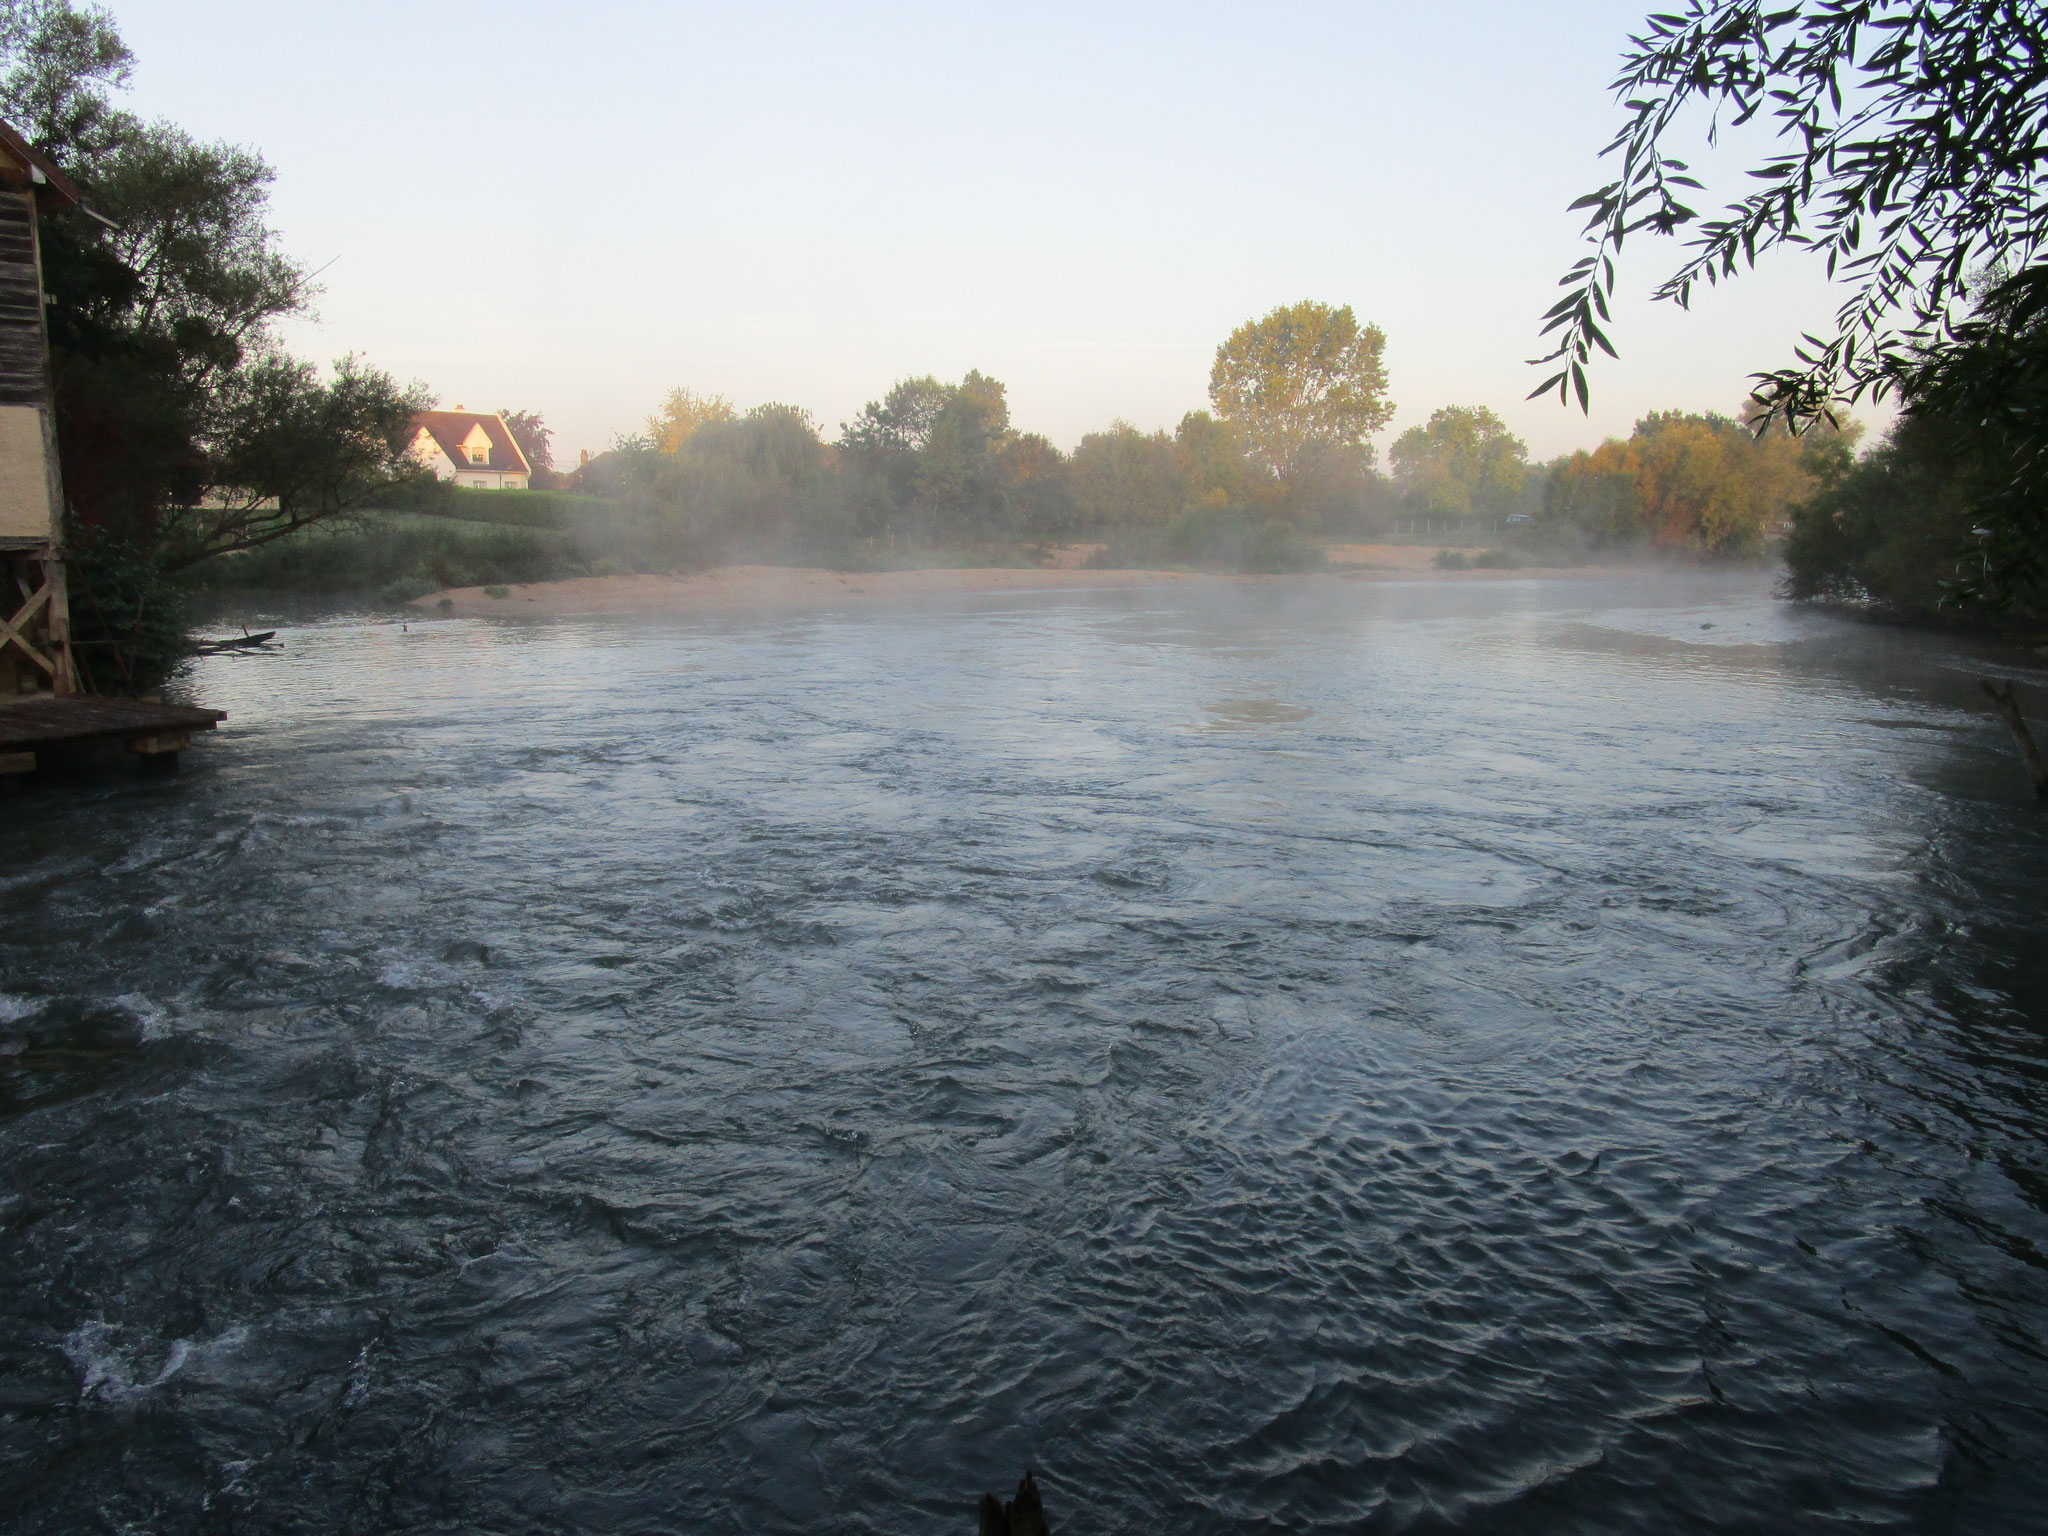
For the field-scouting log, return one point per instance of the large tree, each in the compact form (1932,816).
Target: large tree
(684,413)
(1302,381)
(1910,140)
(181,424)
(938,456)
(1464,460)
(184,431)
(530,431)
(1702,485)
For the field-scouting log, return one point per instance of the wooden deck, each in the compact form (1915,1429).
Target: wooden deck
(157,732)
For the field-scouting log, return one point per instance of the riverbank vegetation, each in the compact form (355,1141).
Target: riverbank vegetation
(934,474)
(1692,485)
(198,456)
(1908,135)
(1283,456)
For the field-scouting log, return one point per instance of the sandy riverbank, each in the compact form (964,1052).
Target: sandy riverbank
(735,587)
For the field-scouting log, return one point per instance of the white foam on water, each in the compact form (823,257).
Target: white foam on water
(155,1022)
(115,1369)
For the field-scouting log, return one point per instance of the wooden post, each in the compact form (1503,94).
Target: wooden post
(2009,706)
(63,681)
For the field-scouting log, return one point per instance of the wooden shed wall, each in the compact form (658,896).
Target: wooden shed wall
(23,351)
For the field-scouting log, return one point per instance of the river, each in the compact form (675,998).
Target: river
(1487,1056)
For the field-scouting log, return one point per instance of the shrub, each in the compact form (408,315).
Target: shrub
(511,509)
(1215,538)
(128,617)
(384,557)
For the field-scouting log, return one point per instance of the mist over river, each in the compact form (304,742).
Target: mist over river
(1495,1056)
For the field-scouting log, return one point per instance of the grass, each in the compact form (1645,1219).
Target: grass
(512,509)
(1483,560)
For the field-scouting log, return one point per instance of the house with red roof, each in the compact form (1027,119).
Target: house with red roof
(472,448)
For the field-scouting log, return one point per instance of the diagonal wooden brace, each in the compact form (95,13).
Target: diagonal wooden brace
(14,629)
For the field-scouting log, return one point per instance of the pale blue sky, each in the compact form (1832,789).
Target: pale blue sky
(571,208)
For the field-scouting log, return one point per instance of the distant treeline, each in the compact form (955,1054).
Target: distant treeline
(934,465)
(1279,467)
(939,465)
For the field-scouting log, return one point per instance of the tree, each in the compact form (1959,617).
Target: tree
(1217,451)
(1910,138)
(933,456)
(1896,530)
(1124,476)
(900,422)
(529,430)
(183,430)
(1036,487)
(681,414)
(1463,461)
(1302,379)
(60,63)
(1913,133)
(174,403)
(1693,484)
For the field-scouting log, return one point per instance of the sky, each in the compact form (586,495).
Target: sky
(573,208)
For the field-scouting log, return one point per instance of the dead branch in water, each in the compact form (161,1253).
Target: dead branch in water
(2009,706)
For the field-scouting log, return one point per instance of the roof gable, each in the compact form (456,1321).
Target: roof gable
(33,170)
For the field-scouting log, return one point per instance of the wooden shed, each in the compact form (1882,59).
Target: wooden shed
(35,620)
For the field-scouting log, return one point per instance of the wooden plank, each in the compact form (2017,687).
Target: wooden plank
(17,762)
(44,721)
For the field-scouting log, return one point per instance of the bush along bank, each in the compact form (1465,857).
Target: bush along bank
(393,562)
(1214,538)
(483,538)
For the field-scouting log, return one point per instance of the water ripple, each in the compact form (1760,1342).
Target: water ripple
(1492,1058)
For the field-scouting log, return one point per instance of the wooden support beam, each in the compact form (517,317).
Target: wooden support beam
(14,630)
(152,746)
(17,762)
(63,680)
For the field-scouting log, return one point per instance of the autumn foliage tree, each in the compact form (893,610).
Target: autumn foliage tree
(1699,485)
(682,413)
(1302,381)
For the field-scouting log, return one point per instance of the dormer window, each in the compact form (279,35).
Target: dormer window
(479,456)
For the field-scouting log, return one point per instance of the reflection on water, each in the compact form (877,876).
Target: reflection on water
(1493,1056)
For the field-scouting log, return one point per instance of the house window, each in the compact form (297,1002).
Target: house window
(479,455)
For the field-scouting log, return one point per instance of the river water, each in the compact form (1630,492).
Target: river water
(1502,1056)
